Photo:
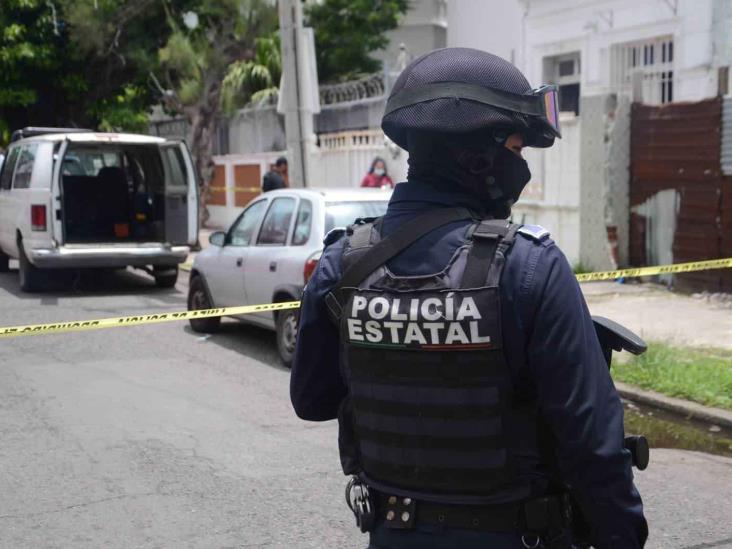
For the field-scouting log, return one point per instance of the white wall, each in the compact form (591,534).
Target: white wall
(343,158)
(552,198)
(541,28)
(490,25)
(422,29)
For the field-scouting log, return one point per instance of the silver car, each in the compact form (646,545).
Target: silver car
(269,253)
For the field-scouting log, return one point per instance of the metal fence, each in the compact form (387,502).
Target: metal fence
(681,203)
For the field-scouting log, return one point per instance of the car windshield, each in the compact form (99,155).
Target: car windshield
(342,214)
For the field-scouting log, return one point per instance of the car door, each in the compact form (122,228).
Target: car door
(224,271)
(262,274)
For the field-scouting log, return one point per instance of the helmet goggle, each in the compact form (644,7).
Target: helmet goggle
(541,104)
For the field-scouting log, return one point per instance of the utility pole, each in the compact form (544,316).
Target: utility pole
(296,101)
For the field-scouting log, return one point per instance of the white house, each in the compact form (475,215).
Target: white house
(659,51)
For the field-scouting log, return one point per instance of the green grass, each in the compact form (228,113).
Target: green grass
(701,375)
(580,268)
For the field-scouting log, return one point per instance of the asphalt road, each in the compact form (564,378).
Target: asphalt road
(153,436)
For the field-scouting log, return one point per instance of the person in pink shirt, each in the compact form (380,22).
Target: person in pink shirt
(377,176)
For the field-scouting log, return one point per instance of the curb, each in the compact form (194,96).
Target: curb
(722,418)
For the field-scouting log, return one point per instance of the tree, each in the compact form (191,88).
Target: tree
(197,56)
(79,63)
(256,80)
(31,64)
(113,38)
(348,31)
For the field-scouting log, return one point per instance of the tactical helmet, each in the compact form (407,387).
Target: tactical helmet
(464,90)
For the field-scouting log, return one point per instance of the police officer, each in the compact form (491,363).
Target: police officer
(454,347)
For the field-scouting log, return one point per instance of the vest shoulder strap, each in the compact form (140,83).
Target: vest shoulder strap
(385,249)
(491,240)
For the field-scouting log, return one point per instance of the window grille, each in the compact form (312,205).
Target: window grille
(649,65)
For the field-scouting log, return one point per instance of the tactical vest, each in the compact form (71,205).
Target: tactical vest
(429,387)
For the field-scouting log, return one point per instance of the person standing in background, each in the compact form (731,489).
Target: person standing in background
(276,177)
(377,176)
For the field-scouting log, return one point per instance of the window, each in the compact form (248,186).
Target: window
(342,214)
(276,223)
(242,230)
(303,223)
(646,69)
(90,161)
(564,71)
(7,174)
(174,167)
(24,171)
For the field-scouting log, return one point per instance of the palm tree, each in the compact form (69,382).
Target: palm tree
(256,80)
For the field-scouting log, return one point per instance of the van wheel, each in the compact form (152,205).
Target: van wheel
(198,300)
(167,276)
(31,278)
(4,262)
(287,335)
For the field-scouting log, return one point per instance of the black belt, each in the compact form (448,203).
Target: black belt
(403,513)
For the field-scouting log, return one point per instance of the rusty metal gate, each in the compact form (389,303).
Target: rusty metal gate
(681,204)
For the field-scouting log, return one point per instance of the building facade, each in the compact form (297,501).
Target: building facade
(602,54)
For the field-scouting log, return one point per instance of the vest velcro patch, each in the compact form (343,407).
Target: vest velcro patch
(427,321)
(537,232)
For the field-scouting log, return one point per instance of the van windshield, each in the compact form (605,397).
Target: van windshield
(342,214)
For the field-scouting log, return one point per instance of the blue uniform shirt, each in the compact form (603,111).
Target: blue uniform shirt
(549,341)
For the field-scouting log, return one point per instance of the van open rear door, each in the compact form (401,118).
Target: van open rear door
(181,194)
(56,214)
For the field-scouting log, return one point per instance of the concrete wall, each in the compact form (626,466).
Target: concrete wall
(605,173)
(232,194)
(258,129)
(489,25)
(351,115)
(423,29)
(343,158)
(617,196)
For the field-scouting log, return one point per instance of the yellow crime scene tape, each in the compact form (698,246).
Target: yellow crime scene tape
(656,270)
(238,189)
(136,320)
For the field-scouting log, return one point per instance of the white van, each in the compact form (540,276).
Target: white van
(79,199)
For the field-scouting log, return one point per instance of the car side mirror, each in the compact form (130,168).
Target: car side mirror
(217,239)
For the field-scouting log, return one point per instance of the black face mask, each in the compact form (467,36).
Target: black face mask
(511,173)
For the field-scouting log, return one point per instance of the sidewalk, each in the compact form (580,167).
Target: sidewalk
(657,314)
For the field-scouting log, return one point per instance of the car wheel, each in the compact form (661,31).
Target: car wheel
(165,277)
(4,262)
(198,300)
(287,335)
(31,278)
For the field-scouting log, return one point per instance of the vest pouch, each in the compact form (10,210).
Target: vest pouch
(428,385)
(347,445)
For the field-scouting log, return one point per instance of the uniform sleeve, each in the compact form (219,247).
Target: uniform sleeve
(316,385)
(578,400)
